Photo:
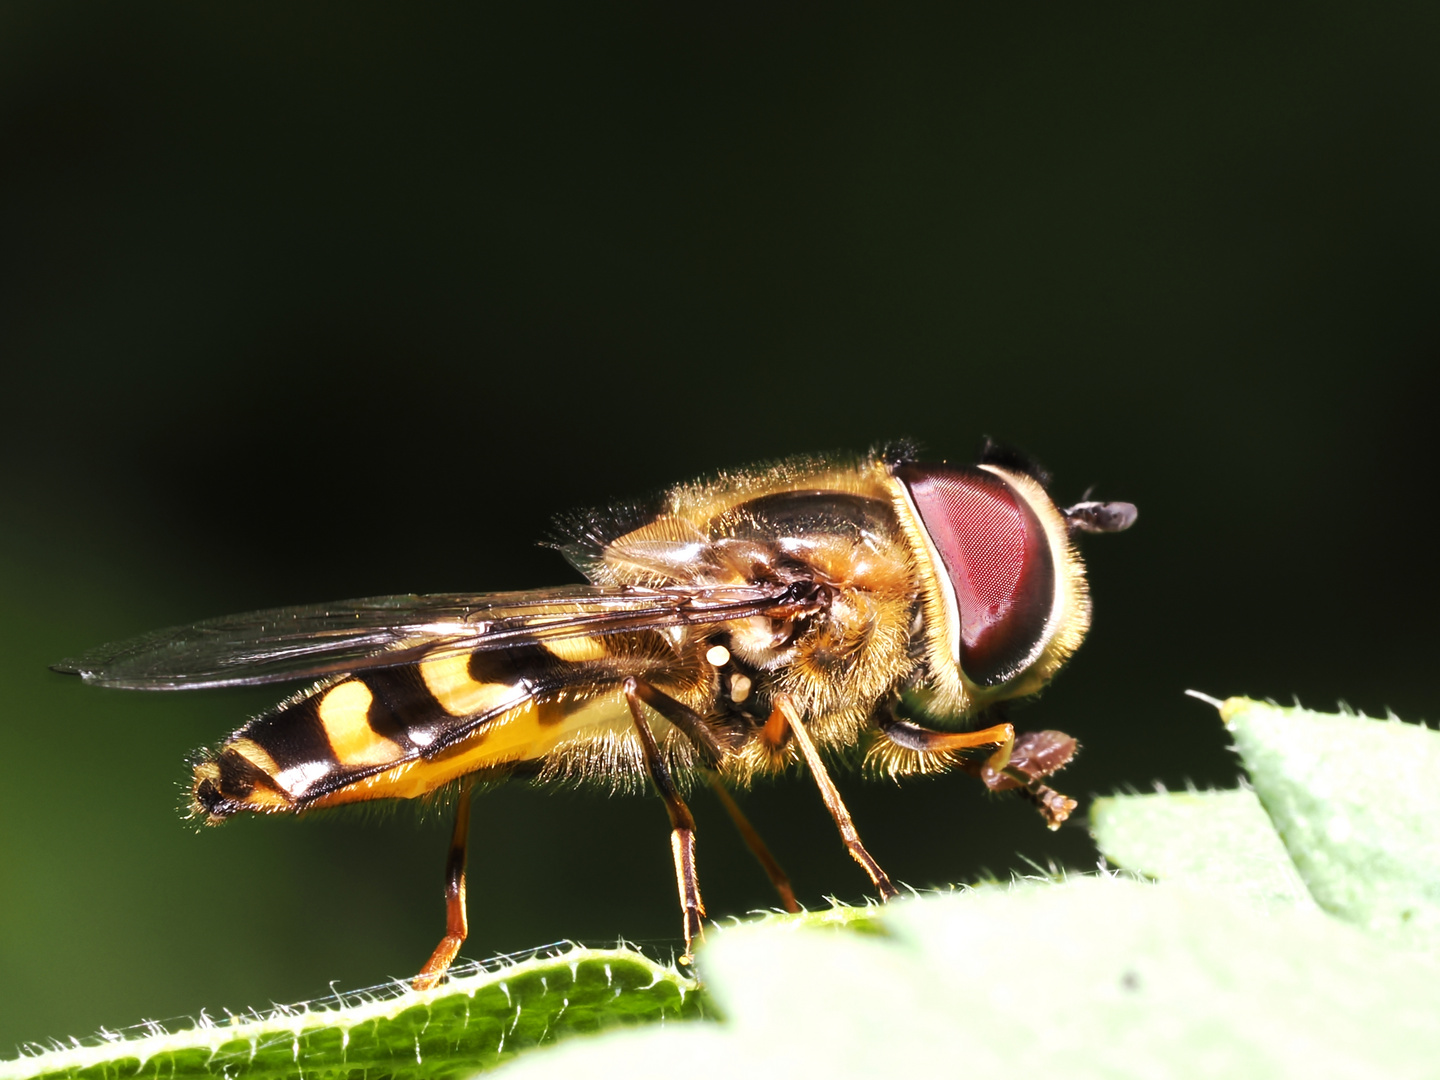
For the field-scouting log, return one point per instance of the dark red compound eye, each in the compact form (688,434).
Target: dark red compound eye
(999,561)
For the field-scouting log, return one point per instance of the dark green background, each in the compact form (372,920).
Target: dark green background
(302,303)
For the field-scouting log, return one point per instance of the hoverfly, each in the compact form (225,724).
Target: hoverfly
(877,606)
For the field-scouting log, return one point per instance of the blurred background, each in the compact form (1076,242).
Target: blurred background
(300,303)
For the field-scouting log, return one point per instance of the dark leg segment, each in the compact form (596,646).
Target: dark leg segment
(714,742)
(682,825)
(757,847)
(1021,762)
(456,927)
(1038,754)
(785,713)
(914,737)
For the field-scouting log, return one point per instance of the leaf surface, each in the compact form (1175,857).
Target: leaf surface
(1356,803)
(1093,978)
(1220,840)
(474,1021)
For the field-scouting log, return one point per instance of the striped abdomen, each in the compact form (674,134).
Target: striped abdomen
(405,731)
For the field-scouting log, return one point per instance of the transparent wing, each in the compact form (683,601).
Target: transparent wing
(284,644)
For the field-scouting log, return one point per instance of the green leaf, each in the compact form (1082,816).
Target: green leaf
(1092,978)
(1219,840)
(474,1021)
(1356,803)
(1223,966)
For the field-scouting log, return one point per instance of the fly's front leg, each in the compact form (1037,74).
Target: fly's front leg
(1015,762)
(985,753)
(785,717)
(456,927)
(682,824)
(1036,755)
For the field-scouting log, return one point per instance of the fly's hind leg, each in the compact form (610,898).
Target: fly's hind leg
(682,824)
(456,927)
(785,717)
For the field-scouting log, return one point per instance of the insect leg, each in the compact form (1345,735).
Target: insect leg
(1017,762)
(786,713)
(456,927)
(682,824)
(1036,755)
(911,736)
(713,741)
(757,847)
